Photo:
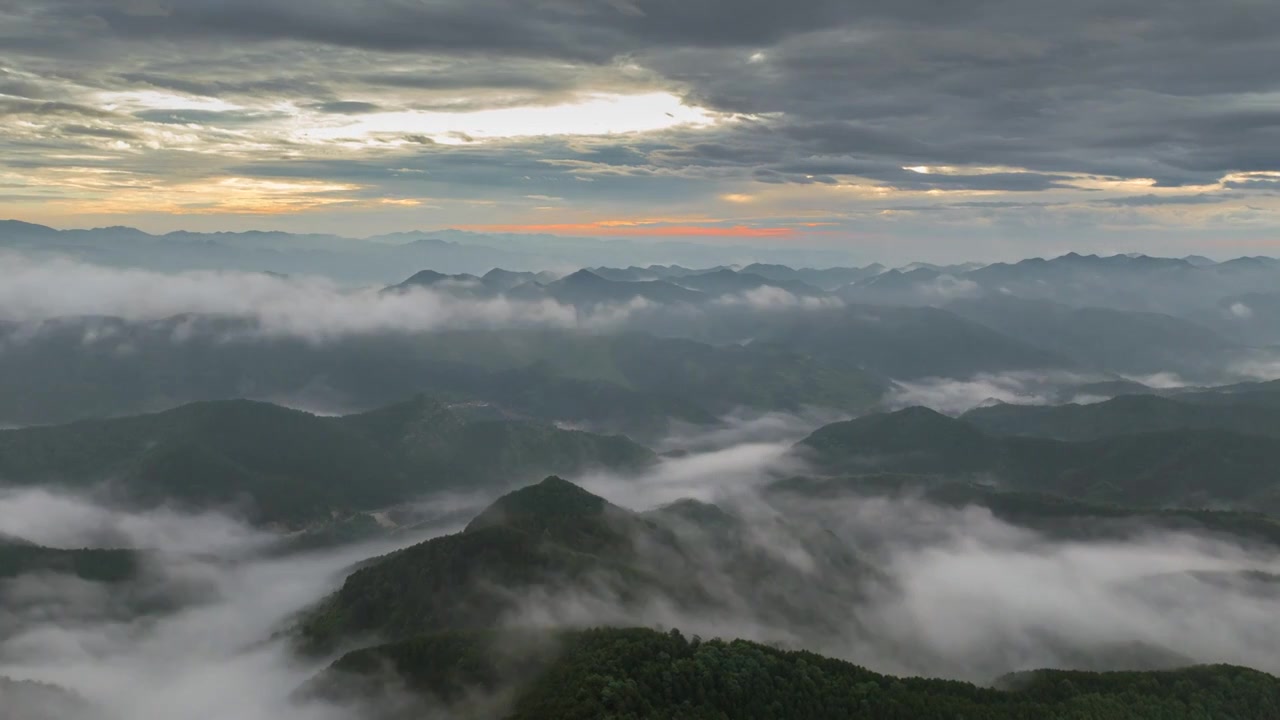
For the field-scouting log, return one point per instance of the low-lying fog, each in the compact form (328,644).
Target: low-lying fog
(958,592)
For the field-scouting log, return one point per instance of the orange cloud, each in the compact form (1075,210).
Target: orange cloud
(640,228)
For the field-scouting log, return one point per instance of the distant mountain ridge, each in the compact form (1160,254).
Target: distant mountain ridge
(291,467)
(1183,464)
(378,259)
(1127,414)
(382,257)
(629,382)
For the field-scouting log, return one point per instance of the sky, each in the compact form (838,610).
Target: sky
(983,129)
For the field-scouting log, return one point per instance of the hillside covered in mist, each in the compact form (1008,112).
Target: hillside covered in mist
(1047,489)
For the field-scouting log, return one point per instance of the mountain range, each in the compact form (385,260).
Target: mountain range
(491,482)
(293,468)
(1190,465)
(455,607)
(376,259)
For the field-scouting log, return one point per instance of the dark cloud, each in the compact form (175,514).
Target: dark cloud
(191,80)
(591,30)
(577,172)
(1157,200)
(207,117)
(38,108)
(346,107)
(1266,185)
(1010,96)
(101,132)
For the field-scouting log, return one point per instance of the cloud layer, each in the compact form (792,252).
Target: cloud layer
(315,308)
(885,124)
(211,657)
(312,308)
(956,592)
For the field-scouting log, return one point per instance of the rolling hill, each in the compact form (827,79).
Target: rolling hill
(19,558)
(631,383)
(282,465)
(1187,467)
(643,673)
(1127,414)
(1102,338)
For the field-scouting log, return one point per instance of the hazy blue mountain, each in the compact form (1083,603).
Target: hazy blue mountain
(382,259)
(345,259)
(632,274)
(1123,415)
(819,278)
(620,383)
(1250,318)
(1197,468)
(1132,282)
(431,279)
(918,286)
(585,288)
(1054,516)
(503,280)
(728,282)
(1124,282)
(900,343)
(598,286)
(1264,394)
(1113,340)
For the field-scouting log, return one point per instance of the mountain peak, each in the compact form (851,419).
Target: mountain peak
(920,439)
(583,276)
(25,227)
(547,507)
(420,419)
(425,277)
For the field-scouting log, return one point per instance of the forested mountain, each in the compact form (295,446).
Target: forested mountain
(1113,340)
(1262,394)
(94,367)
(19,558)
(289,466)
(640,673)
(1185,467)
(1053,515)
(555,538)
(554,555)
(553,530)
(1124,415)
(893,342)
